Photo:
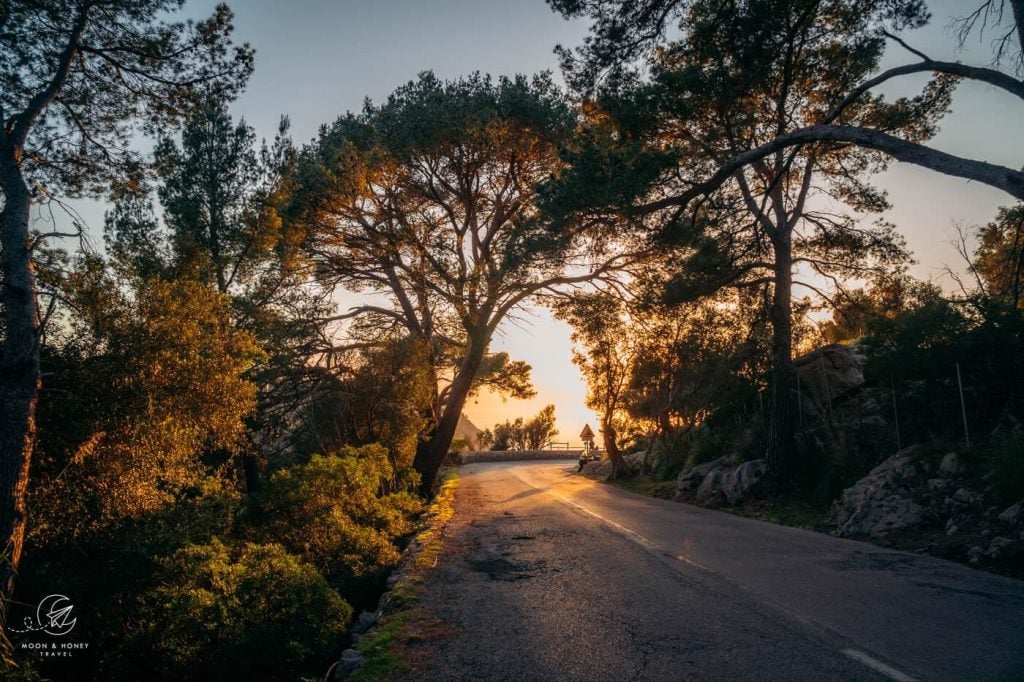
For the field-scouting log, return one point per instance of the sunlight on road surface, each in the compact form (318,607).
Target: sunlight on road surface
(573,486)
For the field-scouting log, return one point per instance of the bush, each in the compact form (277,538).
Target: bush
(256,612)
(331,511)
(1006,458)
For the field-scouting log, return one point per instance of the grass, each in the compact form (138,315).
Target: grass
(785,511)
(386,648)
(642,484)
(378,648)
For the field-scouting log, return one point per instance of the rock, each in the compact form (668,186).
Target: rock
(974,554)
(635,460)
(1004,547)
(693,477)
(830,372)
(1013,514)
(951,530)
(351,661)
(881,501)
(740,482)
(366,620)
(967,497)
(951,465)
(937,484)
(879,517)
(720,482)
(709,485)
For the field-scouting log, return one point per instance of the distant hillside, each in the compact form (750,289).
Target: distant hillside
(468,430)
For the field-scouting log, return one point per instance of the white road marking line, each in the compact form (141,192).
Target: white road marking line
(628,532)
(855,654)
(876,665)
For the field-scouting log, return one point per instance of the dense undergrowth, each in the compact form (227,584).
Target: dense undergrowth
(909,364)
(224,587)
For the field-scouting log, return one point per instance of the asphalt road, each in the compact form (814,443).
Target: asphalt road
(547,575)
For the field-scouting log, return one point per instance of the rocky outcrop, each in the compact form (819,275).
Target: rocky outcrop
(468,431)
(831,373)
(837,409)
(740,482)
(1013,515)
(882,501)
(720,481)
(691,479)
(947,501)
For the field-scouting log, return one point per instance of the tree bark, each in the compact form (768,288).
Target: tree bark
(431,453)
(19,367)
(251,470)
(608,435)
(780,450)
(1018,19)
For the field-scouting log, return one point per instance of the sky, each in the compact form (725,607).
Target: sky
(316,59)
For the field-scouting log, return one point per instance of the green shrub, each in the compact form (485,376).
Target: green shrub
(255,612)
(1006,458)
(331,511)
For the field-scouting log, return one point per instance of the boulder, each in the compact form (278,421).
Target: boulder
(829,373)
(725,483)
(740,482)
(878,516)
(1004,548)
(951,465)
(694,476)
(709,485)
(351,661)
(1013,514)
(882,501)
(366,620)
(967,497)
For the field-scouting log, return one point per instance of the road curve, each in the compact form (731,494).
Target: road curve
(547,575)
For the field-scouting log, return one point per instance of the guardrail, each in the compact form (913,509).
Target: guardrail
(459,458)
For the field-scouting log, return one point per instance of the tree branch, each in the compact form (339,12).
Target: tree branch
(1007,179)
(46,95)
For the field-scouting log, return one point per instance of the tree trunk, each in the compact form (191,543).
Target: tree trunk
(251,469)
(1018,19)
(19,368)
(780,452)
(608,434)
(431,453)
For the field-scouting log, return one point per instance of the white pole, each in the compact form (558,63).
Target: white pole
(896,415)
(963,407)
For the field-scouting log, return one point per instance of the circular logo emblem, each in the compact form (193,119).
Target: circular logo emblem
(54,615)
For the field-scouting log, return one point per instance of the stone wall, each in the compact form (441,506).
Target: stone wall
(510,456)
